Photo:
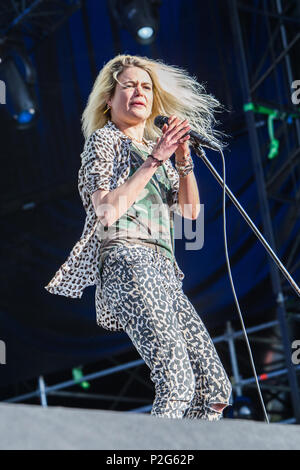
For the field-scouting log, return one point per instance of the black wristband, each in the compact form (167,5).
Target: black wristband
(160,162)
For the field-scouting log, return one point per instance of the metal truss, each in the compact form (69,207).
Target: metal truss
(273,381)
(33,19)
(43,390)
(277,173)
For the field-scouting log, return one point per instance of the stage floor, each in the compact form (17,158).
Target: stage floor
(33,427)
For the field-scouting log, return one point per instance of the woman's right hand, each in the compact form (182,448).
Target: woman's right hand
(172,137)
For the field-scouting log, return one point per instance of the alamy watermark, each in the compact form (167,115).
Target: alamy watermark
(296,354)
(183,228)
(2,352)
(153,223)
(296,94)
(2,92)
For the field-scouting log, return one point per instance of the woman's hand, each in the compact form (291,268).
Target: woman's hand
(172,139)
(183,149)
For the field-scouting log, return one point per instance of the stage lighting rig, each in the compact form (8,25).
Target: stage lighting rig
(19,76)
(139,17)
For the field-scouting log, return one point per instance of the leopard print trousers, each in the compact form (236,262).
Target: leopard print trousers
(141,288)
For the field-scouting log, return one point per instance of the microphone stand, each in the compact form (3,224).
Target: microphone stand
(200,153)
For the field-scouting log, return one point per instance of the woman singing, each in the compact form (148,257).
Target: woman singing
(130,191)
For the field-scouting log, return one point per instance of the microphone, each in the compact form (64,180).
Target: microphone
(195,138)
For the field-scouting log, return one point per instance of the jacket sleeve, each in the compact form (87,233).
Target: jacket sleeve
(175,204)
(98,165)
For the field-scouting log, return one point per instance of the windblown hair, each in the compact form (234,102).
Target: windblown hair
(174,92)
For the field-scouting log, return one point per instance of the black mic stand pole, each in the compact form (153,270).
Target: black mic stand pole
(200,153)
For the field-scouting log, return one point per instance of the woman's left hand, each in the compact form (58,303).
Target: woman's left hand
(183,149)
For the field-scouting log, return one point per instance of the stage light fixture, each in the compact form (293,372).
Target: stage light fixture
(21,101)
(146,32)
(139,17)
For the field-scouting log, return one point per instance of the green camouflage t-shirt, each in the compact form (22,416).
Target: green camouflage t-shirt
(149,220)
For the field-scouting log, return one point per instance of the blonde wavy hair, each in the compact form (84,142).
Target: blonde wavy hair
(174,92)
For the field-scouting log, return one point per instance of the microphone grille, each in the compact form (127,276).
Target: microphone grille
(159,121)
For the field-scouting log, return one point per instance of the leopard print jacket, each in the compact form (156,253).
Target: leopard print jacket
(105,164)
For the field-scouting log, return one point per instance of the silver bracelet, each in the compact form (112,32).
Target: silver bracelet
(183,173)
(186,160)
(185,168)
